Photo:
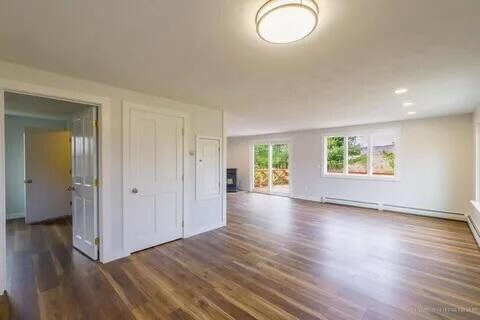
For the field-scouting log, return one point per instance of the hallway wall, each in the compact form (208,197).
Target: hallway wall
(15,159)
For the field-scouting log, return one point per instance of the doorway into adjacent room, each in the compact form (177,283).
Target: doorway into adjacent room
(51,173)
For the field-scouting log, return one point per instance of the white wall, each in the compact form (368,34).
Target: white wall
(199,215)
(474,218)
(435,162)
(15,159)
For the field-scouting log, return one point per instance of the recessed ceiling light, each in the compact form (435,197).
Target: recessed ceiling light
(407,104)
(285,21)
(411,113)
(401,91)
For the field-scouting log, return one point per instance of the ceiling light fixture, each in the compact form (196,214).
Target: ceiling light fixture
(408,104)
(286,21)
(401,91)
(411,113)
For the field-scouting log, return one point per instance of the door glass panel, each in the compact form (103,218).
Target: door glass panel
(280,172)
(260,173)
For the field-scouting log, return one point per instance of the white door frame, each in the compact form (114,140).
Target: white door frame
(126,108)
(104,155)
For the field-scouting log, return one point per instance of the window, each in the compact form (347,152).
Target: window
(383,155)
(371,155)
(335,156)
(358,155)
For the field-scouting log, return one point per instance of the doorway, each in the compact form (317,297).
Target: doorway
(271,168)
(107,249)
(51,148)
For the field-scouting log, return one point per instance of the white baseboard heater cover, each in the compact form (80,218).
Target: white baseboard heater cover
(398,208)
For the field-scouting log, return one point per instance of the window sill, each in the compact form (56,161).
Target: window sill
(361,177)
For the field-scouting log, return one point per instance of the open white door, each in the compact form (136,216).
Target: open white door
(47,166)
(84,182)
(154,178)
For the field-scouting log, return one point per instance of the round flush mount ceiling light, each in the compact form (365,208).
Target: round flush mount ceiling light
(286,21)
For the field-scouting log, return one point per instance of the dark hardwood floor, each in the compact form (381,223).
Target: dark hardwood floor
(278,259)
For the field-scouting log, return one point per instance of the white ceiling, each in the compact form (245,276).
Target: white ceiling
(33,106)
(207,52)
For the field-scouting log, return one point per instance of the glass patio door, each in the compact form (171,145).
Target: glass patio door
(271,168)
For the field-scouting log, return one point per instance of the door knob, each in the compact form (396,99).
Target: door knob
(28,181)
(70,188)
(135,190)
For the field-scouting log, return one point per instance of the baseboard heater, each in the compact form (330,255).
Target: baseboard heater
(353,203)
(397,208)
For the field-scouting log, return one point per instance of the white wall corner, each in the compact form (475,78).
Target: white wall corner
(473,220)
(476,115)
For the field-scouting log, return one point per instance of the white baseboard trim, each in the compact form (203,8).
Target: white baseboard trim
(426,212)
(48,219)
(306,198)
(18,215)
(200,230)
(475,229)
(388,207)
(474,221)
(111,256)
(352,203)
(115,255)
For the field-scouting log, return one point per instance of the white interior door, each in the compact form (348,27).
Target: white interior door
(84,182)
(47,177)
(154,165)
(208,167)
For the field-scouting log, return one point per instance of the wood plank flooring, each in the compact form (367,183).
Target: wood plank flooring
(278,259)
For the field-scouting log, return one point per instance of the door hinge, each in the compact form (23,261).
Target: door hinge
(183,223)
(97,182)
(97,241)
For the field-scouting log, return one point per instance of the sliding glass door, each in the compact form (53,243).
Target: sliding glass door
(271,168)
(261,175)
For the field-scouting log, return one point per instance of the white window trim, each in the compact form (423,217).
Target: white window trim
(369,134)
